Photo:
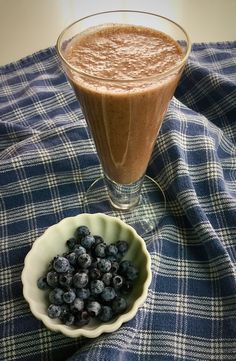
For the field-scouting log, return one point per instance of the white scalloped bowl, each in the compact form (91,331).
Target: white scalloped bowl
(52,243)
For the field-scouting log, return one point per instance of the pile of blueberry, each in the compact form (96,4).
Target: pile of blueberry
(91,280)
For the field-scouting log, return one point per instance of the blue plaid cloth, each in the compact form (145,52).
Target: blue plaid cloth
(47,161)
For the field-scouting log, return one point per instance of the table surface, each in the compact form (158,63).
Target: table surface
(27,26)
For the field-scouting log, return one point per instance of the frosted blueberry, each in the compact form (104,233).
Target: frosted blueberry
(69,296)
(104,265)
(84,260)
(119,305)
(107,278)
(132,272)
(117,281)
(52,278)
(71,242)
(96,287)
(72,258)
(42,283)
(54,311)
(56,296)
(93,307)
(83,293)
(82,319)
(111,250)
(61,264)
(108,294)
(68,319)
(105,314)
(87,242)
(94,273)
(80,279)
(78,304)
(122,246)
(114,266)
(65,279)
(123,266)
(100,250)
(98,239)
(81,231)
(78,250)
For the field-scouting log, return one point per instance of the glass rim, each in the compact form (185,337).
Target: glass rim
(148,78)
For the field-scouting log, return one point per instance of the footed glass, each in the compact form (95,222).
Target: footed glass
(124,111)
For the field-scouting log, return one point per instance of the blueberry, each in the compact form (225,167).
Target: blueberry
(123,267)
(83,293)
(71,242)
(42,283)
(56,296)
(132,272)
(114,266)
(94,273)
(68,319)
(80,279)
(122,246)
(54,311)
(119,305)
(52,278)
(100,250)
(93,307)
(84,315)
(104,265)
(117,281)
(81,231)
(105,314)
(69,296)
(96,287)
(108,294)
(78,305)
(82,319)
(107,278)
(84,260)
(111,250)
(65,279)
(98,239)
(87,242)
(61,264)
(78,250)
(64,310)
(72,258)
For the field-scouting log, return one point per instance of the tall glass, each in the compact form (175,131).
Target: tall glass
(124,115)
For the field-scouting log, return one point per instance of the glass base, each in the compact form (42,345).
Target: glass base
(143,217)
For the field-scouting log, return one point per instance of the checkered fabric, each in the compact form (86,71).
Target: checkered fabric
(47,161)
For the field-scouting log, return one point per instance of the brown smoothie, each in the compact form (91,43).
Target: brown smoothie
(124,112)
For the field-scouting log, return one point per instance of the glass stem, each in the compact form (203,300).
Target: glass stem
(123,196)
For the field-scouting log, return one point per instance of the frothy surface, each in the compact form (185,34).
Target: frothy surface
(123,52)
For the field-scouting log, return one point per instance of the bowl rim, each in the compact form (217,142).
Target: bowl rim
(103,327)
